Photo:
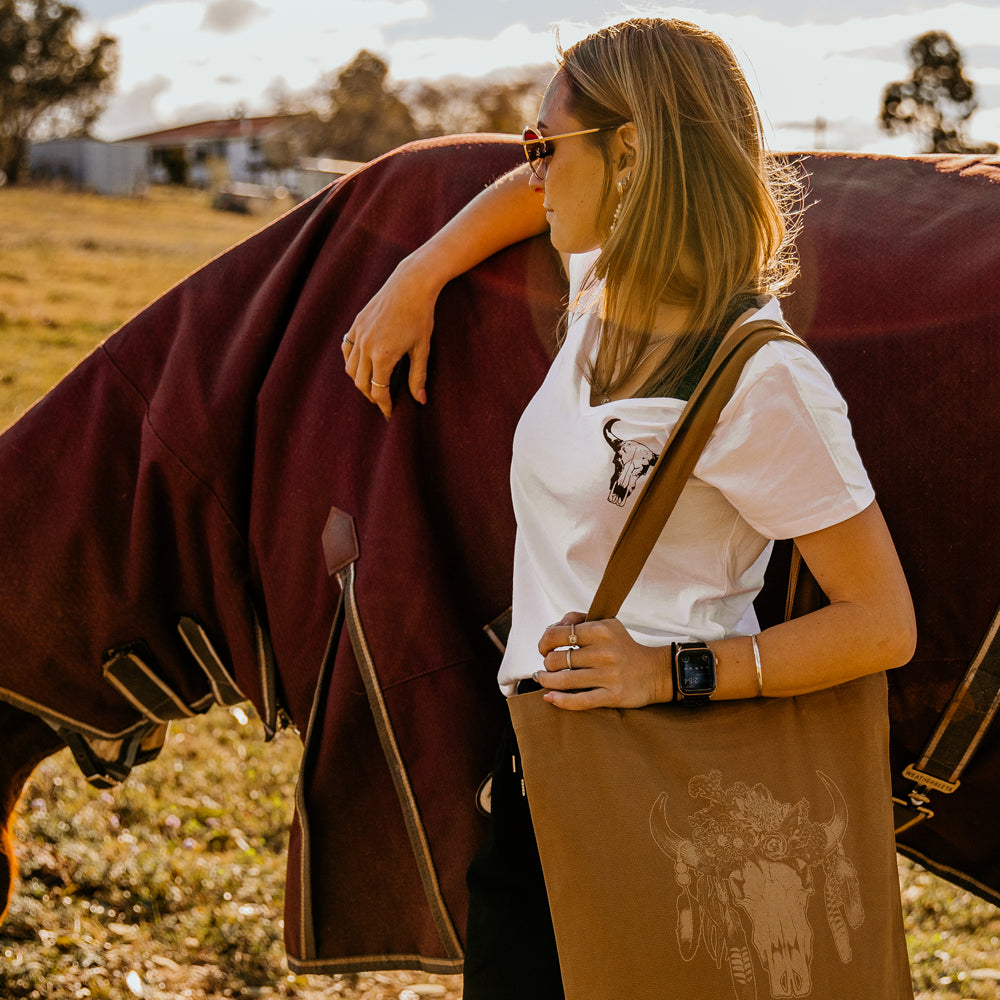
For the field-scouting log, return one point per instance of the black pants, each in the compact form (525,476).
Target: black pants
(510,944)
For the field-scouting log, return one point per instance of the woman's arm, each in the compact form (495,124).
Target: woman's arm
(868,626)
(399,318)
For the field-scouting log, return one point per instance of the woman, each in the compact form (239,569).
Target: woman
(647,169)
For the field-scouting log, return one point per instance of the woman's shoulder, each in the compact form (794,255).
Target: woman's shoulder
(781,351)
(783,367)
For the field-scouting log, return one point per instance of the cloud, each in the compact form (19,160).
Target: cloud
(838,71)
(222,52)
(131,111)
(225,16)
(243,43)
(431,58)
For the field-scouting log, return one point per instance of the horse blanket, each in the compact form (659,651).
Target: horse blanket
(206,510)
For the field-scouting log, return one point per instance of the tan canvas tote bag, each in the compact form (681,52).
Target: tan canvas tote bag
(738,849)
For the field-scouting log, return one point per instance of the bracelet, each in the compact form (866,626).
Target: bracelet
(673,670)
(756,663)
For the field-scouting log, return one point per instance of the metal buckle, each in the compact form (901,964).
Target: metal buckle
(929,781)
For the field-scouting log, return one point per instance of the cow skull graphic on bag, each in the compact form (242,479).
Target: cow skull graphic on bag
(751,856)
(632,460)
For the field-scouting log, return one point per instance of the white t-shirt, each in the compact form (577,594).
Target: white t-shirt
(780,463)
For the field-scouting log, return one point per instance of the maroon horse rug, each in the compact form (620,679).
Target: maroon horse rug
(206,510)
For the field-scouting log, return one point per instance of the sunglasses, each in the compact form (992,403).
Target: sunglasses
(537,148)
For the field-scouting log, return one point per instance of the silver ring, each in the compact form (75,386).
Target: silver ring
(573,638)
(347,340)
(380,385)
(569,659)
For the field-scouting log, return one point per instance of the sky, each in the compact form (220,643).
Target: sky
(191,60)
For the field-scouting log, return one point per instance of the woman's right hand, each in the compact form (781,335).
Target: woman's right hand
(398,321)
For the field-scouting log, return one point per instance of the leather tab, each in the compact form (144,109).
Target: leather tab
(499,630)
(340,541)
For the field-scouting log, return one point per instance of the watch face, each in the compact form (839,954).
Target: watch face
(696,671)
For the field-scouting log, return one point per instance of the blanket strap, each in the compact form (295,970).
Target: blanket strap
(958,734)
(106,763)
(224,687)
(131,670)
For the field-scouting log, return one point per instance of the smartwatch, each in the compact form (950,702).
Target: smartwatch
(694,672)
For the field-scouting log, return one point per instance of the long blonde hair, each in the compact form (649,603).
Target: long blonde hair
(703,186)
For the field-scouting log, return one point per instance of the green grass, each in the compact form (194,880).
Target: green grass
(177,877)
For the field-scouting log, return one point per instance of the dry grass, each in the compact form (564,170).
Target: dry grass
(74,267)
(166,887)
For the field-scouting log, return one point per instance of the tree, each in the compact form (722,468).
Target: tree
(367,118)
(937,100)
(47,82)
(356,114)
(500,103)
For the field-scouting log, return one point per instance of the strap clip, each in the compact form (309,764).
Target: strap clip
(917,810)
(909,814)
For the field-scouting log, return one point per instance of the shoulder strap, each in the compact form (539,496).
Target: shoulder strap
(676,463)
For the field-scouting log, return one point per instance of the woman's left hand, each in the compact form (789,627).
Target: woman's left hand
(605,667)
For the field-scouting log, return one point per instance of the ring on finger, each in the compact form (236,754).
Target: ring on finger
(574,640)
(569,659)
(380,385)
(347,340)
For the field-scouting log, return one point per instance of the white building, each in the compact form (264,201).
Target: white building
(208,154)
(111,168)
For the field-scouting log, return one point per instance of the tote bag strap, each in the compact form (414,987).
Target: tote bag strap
(676,463)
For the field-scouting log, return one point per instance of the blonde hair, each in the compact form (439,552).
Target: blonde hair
(703,188)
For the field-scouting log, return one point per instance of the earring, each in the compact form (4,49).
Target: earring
(623,183)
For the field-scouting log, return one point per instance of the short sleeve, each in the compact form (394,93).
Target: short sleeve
(783,452)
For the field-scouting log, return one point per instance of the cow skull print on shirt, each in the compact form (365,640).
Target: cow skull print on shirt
(632,460)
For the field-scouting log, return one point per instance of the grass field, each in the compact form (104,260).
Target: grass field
(171,885)
(73,267)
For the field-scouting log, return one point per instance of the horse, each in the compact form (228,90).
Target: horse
(206,511)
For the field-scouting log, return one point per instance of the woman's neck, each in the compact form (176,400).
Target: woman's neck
(670,321)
